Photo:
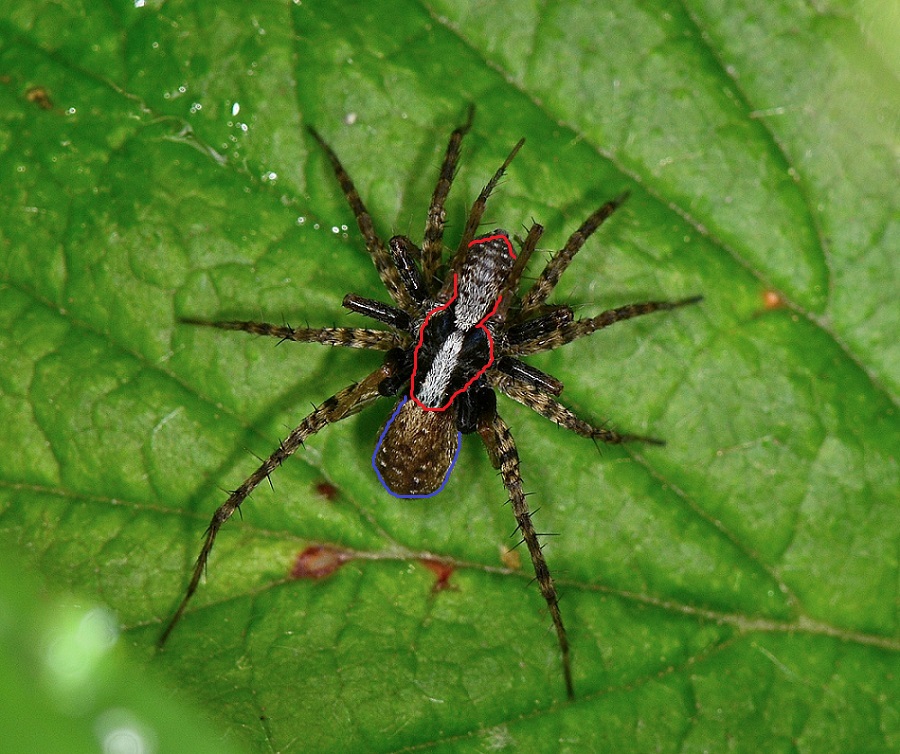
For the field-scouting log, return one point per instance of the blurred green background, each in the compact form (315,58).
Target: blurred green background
(735,590)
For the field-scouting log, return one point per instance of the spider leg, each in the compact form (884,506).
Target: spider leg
(527,249)
(404,253)
(539,328)
(502,449)
(368,307)
(533,376)
(477,211)
(511,286)
(345,403)
(380,256)
(432,243)
(350,337)
(537,400)
(569,331)
(560,261)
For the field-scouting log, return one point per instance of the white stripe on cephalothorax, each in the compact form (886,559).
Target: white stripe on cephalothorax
(434,386)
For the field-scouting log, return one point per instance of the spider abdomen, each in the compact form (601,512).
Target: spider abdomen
(416,450)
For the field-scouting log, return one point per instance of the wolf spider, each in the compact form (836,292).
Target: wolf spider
(456,335)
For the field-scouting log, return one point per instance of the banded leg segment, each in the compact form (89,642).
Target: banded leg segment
(404,253)
(569,331)
(369,307)
(347,402)
(511,286)
(478,206)
(377,250)
(560,261)
(502,448)
(349,337)
(432,243)
(548,407)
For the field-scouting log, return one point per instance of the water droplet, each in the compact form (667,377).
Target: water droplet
(121,732)
(235,109)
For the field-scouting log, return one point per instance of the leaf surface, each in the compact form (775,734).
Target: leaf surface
(739,584)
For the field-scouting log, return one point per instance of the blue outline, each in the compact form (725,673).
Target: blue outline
(381,440)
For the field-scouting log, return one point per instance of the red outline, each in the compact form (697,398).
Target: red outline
(491,238)
(490,340)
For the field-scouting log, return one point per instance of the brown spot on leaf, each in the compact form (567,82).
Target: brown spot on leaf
(327,490)
(40,97)
(441,571)
(319,561)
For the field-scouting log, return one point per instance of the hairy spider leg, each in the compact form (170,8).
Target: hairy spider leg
(537,400)
(404,253)
(569,331)
(527,249)
(432,242)
(478,206)
(539,327)
(349,337)
(533,376)
(347,402)
(560,261)
(510,289)
(377,250)
(369,307)
(501,448)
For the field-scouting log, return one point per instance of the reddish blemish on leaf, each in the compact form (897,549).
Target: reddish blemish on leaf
(441,571)
(772,300)
(327,490)
(319,561)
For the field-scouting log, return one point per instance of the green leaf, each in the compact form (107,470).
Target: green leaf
(737,585)
(68,687)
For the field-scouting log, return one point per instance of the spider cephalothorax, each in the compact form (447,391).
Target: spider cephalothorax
(456,334)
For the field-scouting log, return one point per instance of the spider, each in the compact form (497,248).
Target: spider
(456,334)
